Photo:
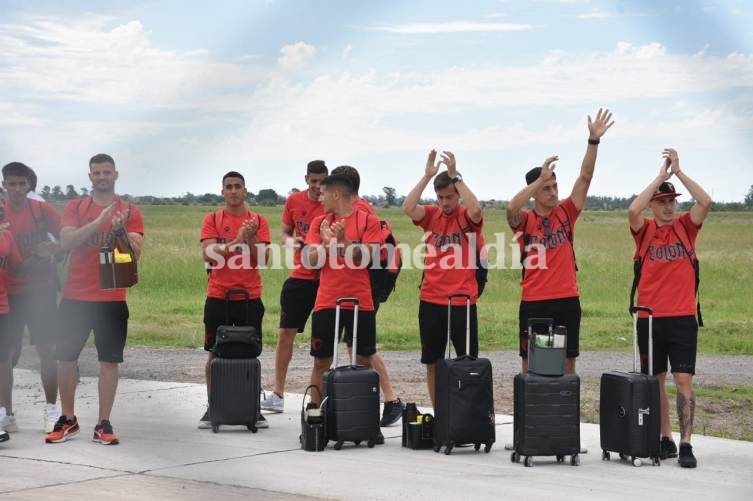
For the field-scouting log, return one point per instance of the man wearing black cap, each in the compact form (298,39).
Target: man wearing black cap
(665,251)
(549,285)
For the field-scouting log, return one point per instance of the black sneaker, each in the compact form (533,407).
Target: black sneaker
(667,448)
(687,459)
(380,439)
(392,412)
(4,437)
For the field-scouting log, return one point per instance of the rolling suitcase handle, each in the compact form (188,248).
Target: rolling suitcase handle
(236,292)
(650,311)
(338,303)
(467,322)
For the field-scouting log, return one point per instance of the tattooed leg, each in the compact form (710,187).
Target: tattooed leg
(685,405)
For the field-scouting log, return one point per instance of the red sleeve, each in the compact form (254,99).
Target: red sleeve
(691,229)
(523,220)
(364,205)
(372,234)
(14,256)
(313,236)
(208,228)
(640,235)
(70,215)
(476,227)
(262,234)
(287,218)
(429,211)
(53,219)
(571,210)
(135,221)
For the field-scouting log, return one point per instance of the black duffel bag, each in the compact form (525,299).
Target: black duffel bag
(237,341)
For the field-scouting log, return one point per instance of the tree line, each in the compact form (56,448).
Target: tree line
(388,198)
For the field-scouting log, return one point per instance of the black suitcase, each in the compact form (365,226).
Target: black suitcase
(464,412)
(351,393)
(234,391)
(546,420)
(629,410)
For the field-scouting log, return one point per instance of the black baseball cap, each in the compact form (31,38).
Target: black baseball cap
(533,174)
(665,190)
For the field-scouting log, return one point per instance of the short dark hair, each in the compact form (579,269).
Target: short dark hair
(233,173)
(351,173)
(101,158)
(19,169)
(317,167)
(442,181)
(339,182)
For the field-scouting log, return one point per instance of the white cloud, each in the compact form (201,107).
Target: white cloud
(450,27)
(296,56)
(595,14)
(347,50)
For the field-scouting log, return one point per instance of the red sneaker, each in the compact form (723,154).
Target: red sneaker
(64,429)
(104,435)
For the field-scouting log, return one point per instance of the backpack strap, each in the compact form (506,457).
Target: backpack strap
(640,256)
(526,236)
(684,239)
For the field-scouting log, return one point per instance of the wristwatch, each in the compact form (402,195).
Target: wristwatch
(458,177)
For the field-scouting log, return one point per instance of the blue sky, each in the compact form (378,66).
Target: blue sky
(180,92)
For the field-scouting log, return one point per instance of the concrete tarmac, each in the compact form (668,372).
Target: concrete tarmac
(163,455)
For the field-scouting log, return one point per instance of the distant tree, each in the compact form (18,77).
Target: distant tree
(749,198)
(57,192)
(389,195)
(294,190)
(267,196)
(84,191)
(70,192)
(45,192)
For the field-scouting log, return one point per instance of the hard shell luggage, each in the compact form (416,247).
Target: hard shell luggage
(234,391)
(630,420)
(237,341)
(546,420)
(464,396)
(352,394)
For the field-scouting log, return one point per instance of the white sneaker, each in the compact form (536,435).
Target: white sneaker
(272,402)
(261,422)
(7,423)
(50,416)
(4,437)
(205,423)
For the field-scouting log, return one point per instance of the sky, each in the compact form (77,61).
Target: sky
(180,92)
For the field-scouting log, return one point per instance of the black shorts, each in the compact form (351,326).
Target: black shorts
(297,299)
(565,311)
(6,343)
(323,332)
(77,319)
(675,338)
(216,314)
(432,324)
(37,310)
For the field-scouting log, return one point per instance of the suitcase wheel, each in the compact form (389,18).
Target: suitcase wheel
(637,462)
(560,458)
(487,448)
(655,461)
(528,461)
(370,444)
(605,455)
(476,447)
(575,460)
(215,427)
(515,457)
(338,445)
(357,442)
(251,427)
(448,448)
(623,457)
(437,448)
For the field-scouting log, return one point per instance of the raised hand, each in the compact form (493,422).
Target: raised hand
(449,160)
(251,226)
(598,127)
(664,171)
(105,215)
(338,231)
(671,160)
(431,167)
(547,170)
(325,231)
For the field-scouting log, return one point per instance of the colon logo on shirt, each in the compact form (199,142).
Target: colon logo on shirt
(101,239)
(550,240)
(667,253)
(302,228)
(442,241)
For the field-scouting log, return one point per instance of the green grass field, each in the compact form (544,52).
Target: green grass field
(167,305)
